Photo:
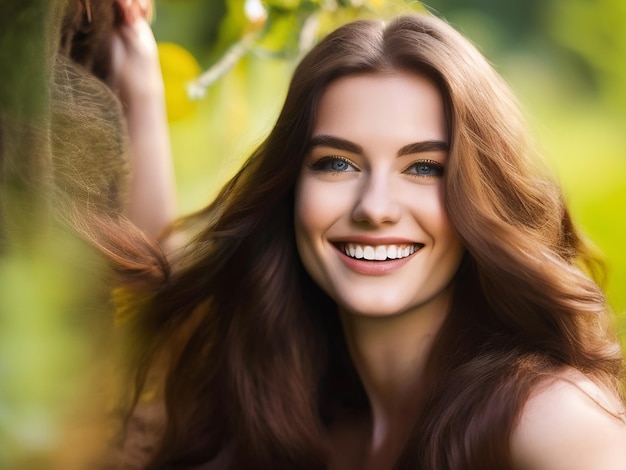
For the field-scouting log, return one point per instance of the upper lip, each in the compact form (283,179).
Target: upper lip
(373,241)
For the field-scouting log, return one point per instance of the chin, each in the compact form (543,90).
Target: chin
(374,309)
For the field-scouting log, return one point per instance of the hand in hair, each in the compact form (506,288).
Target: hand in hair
(130,10)
(112,40)
(135,76)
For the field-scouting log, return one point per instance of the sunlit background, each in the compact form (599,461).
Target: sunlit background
(226,65)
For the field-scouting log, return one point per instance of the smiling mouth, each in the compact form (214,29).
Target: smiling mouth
(378,252)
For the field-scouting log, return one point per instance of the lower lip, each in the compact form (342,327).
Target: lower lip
(372,267)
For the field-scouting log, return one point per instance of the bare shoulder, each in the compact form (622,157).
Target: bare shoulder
(569,423)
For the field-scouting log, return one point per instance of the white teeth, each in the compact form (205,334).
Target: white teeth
(379,252)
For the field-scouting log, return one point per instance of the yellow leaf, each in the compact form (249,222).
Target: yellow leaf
(179,67)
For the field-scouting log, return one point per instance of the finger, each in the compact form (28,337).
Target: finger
(117,60)
(145,8)
(128,10)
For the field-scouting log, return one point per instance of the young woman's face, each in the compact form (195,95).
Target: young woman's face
(370,223)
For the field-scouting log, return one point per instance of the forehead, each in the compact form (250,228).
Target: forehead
(398,106)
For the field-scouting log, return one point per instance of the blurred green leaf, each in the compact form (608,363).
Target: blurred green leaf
(596,31)
(281,36)
(287,5)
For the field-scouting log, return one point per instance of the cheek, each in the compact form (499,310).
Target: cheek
(446,236)
(427,205)
(308,227)
(303,212)
(435,220)
(442,226)
(315,208)
(306,222)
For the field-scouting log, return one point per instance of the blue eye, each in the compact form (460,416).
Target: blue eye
(333,164)
(425,168)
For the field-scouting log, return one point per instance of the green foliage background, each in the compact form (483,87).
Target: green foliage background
(564,58)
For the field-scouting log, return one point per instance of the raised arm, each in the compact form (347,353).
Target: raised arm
(137,80)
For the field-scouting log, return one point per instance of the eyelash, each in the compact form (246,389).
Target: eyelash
(432,166)
(323,165)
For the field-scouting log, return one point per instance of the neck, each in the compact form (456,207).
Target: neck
(390,355)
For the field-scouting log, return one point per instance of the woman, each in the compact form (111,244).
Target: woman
(390,281)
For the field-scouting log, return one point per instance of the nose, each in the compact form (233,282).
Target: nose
(376,202)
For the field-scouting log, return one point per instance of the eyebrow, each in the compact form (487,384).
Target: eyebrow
(348,146)
(424,146)
(334,142)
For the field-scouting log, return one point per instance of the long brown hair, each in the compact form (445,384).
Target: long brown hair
(86,31)
(264,368)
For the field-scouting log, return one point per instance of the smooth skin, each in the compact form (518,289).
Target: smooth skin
(372,178)
(570,423)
